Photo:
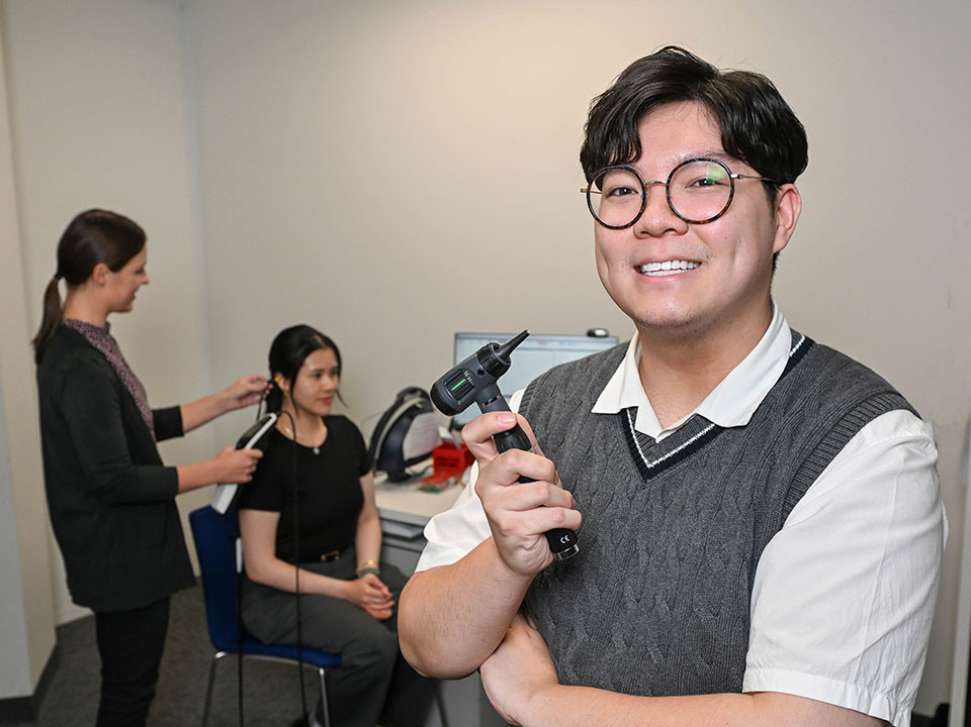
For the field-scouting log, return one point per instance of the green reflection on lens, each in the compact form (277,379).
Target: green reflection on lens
(717,174)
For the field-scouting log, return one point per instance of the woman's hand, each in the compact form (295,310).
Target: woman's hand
(228,467)
(244,392)
(235,465)
(371,595)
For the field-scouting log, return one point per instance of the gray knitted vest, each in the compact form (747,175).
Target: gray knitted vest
(657,602)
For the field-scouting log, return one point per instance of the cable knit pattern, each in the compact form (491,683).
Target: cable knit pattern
(101,338)
(657,602)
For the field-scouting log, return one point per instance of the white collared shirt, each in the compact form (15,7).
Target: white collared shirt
(844,593)
(730,404)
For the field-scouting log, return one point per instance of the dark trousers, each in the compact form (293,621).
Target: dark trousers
(374,682)
(130,644)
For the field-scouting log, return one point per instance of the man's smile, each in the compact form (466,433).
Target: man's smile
(667,267)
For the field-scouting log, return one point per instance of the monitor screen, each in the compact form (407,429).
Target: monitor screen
(535,355)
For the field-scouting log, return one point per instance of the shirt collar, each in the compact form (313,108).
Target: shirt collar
(730,404)
(89,329)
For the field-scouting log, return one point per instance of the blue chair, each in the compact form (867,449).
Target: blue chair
(215,536)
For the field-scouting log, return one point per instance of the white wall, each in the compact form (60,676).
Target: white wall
(101,119)
(392,172)
(15,661)
(26,604)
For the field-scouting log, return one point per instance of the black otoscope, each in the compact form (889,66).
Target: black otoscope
(474,379)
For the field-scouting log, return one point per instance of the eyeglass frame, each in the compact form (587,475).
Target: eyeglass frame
(732,176)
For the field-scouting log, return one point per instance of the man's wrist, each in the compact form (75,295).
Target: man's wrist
(507,569)
(540,708)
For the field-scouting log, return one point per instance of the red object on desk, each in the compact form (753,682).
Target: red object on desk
(448,462)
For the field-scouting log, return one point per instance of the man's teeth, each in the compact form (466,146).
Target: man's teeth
(668,266)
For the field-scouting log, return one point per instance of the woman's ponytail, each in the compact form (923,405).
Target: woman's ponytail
(52,317)
(274,399)
(92,237)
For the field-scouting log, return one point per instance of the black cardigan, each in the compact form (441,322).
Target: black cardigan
(111,500)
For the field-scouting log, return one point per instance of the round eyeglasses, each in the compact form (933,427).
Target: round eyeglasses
(698,191)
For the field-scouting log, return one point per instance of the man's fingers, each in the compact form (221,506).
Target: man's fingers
(529,495)
(527,427)
(481,429)
(506,468)
(512,524)
(478,433)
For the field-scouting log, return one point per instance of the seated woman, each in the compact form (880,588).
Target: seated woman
(311,504)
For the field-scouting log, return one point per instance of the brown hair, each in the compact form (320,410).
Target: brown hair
(93,237)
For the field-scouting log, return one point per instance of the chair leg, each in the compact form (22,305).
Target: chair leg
(440,701)
(216,658)
(323,696)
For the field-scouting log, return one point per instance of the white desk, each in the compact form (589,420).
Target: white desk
(406,503)
(404,510)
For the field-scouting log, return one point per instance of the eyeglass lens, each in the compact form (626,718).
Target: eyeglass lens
(698,191)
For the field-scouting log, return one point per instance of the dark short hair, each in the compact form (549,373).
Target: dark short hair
(289,350)
(757,126)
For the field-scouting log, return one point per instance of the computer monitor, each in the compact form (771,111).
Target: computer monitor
(537,354)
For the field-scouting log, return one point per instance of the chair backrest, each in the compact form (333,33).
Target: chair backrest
(215,536)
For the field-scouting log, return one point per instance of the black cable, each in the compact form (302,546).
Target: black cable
(296,544)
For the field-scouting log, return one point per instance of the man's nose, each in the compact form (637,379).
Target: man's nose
(658,218)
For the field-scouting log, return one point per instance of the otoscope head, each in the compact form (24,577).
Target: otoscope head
(494,357)
(475,377)
(509,346)
(443,399)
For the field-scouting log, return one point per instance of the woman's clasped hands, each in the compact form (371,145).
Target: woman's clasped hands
(369,593)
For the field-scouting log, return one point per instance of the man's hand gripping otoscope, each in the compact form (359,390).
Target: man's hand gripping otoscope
(506,452)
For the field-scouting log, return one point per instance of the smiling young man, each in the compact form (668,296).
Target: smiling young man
(762,524)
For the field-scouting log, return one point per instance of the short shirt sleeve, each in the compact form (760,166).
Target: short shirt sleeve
(361,454)
(264,491)
(844,593)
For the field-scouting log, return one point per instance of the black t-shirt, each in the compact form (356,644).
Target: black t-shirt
(329,495)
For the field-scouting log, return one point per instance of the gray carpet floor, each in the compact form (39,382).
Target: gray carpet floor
(272,690)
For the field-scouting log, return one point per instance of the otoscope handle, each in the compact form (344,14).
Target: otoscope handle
(514,438)
(562,542)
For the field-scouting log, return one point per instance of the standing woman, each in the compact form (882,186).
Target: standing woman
(310,514)
(111,500)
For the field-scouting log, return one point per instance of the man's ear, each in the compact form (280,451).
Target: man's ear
(100,274)
(788,205)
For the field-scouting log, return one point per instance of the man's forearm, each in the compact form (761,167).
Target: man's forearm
(582,706)
(453,617)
